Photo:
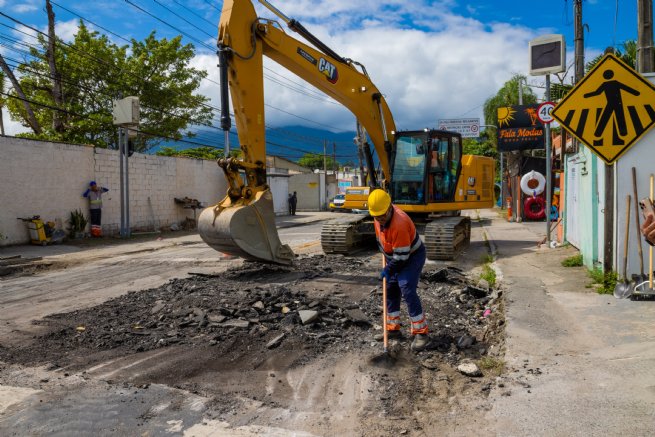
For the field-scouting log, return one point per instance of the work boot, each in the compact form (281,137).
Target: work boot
(392,335)
(420,342)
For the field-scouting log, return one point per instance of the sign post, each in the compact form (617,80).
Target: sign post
(467,127)
(547,56)
(549,170)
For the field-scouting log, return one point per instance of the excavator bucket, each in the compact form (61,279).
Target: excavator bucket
(245,230)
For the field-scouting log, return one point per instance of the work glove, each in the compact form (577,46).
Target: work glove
(384,274)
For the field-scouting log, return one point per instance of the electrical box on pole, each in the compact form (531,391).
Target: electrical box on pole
(126,111)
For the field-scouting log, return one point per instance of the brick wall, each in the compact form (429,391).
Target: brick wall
(48,179)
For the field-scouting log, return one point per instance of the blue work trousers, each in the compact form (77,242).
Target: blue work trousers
(404,283)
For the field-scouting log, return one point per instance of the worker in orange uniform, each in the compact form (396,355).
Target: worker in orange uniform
(405,256)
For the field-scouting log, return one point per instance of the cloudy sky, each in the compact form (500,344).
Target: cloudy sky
(432,59)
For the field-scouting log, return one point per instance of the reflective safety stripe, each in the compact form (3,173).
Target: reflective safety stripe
(419,325)
(95,202)
(403,253)
(419,331)
(393,321)
(417,318)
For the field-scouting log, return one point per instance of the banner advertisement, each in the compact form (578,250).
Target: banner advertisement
(519,128)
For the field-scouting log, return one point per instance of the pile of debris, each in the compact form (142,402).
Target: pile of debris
(255,307)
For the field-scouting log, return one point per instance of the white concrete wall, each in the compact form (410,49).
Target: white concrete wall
(641,156)
(309,187)
(278,181)
(48,179)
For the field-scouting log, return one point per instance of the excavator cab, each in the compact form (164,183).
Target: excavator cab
(425,167)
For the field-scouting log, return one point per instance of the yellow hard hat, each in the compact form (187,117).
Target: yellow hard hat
(378,202)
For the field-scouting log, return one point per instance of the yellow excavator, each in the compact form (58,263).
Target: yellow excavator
(424,171)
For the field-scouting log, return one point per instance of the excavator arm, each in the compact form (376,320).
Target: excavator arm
(243,223)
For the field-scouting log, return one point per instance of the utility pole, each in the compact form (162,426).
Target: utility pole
(645,36)
(578,53)
(126,116)
(579,40)
(608,254)
(334,159)
(325,172)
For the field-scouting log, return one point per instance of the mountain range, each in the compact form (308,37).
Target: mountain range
(289,142)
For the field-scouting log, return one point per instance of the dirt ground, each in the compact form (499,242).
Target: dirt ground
(287,347)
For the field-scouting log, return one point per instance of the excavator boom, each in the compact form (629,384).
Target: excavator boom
(243,223)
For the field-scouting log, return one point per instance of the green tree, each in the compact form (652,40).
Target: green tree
(628,55)
(507,95)
(482,146)
(3,102)
(315,161)
(95,72)
(206,152)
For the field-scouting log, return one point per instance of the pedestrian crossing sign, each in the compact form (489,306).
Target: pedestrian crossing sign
(610,109)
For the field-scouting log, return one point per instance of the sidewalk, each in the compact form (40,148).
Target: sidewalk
(112,246)
(578,363)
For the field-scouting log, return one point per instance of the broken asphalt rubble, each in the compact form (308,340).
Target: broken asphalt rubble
(255,307)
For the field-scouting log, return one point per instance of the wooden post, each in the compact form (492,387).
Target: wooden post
(608,255)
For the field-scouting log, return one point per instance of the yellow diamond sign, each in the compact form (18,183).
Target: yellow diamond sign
(610,109)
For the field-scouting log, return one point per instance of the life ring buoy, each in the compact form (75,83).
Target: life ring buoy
(533,183)
(534,208)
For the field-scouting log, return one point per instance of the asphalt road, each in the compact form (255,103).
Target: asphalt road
(577,363)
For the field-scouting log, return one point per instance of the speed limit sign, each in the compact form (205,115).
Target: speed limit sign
(544,112)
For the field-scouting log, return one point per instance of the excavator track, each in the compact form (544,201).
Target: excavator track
(447,237)
(347,235)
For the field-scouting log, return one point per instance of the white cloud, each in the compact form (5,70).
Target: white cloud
(65,30)
(436,65)
(427,61)
(12,127)
(22,8)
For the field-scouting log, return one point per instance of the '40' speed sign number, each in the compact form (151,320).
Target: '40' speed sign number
(545,112)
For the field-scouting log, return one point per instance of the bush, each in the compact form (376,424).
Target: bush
(489,275)
(573,261)
(77,221)
(607,280)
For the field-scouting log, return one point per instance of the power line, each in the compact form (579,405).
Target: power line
(202,18)
(202,43)
(106,94)
(301,91)
(212,5)
(213,37)
(89,21)
(111,65)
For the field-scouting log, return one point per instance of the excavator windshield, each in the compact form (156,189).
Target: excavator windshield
(409,168)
